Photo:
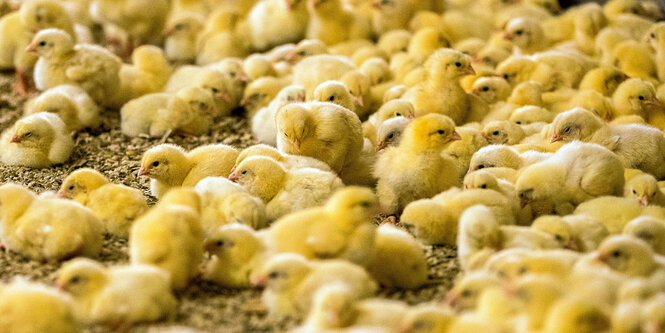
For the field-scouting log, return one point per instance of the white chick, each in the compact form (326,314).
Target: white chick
(277,22)
(263,122)
(389,133)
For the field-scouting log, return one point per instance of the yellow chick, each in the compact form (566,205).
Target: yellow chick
(91,67)
(502,156)
(288,161)
(628,255)
(638,97)
(117,206)
(603,79)
(313,70)
(615,212)
(427,318)
(340,229)
(303,128)
(654,37)
(441,91)
(401,182)
(389,133)
(503,132)
(71,103)
(260,92)
(117,295)
(390,109)
(331,15)
(291,281)
(181,35)
(47,229)
(399,260)
(527,34)
(238,252)
(277,22)
(284,191)
(257,66)
(491,89)
(577,172)
(391,15)
(335,92)
(360,88)
(649,229)
(464,294)
(222,39)
(170,166)
(574,232)
(33,307)
(304,49)
(645,189)
(637,146)
(635,60)
(169,237)
(17,30)
(575,315)
(147,74)
(37,141)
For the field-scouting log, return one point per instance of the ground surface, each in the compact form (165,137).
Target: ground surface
(203,306)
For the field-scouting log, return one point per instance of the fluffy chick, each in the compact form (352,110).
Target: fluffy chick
(616,212)
(649,229)
(277,22)
(645,189)
(390,109)
(288,161)
(284,191)
(334,92)
(148,73)
(37,141)
(628,255)
(569,314)
(401,182)
(331,15)
(491,89)
(117,206)
(638,97)
(117,295)
(503,132)
(181,35)
(389,133)
(71,103)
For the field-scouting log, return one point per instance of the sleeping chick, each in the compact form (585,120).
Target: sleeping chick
(291,281)
(47,229)
(238,252)
(117,206)
(284,191)
(120,295)
(277,22)
(304,128)
(147,74)
(330,16)
(71,103)
(503,132)
(37,141)
(263,122)
(629,255)
(389,133)
(170,237)
(340,229)
(399,260)
(649,229)
(290,162)
(170,166)
(399,181)
(33,307)
(577,172)
(644,188)
(90,67)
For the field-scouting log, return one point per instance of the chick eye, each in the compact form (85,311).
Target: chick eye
(558,237)
(220,243)
(518,122)
(71,187)
(332,98)
(301,53)
(505,76)
(233,74)
(641,98)
(441,132)
(273,275)
(75,279)
(566,130)
(519,32)
(495,133)
(616,254)
(458,64)
(483,186)
(155,163)
(485,89)
(466,293)
(391,136)
(215,90)
(42,43)
(652,35)
(634,192)
(398,114)
(487,60)
(480,167)
(27,135)
(523,270)
(244,172)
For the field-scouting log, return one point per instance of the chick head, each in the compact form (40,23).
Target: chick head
(561,231)
(149,58)
(643,188)
(495,156)
(636,96)
(626,254)
(353,205)
(573,315)
(58,104)
(35,131)
(492,55)
(259,150)
(332,306)
(537,293)
(427,318)
(390,132)
(306,48)
(294,123)
(394,42)
(334,92)
(359,85)
(481,179)
(165,162)
(182,196)
(395,108)
(523,32)
(656,35)
(232,67)
(51,42)
(464,295)
(252,211)
(491,89)
(282,272)
(14,200)
(42,14)
(575,124)
(217,84)
(81,277)
(257,66)
(614,8)
(199,100)
(530,114)
(527,93)
(534,183)
(260,175)
(78,184)
(509,264)
(595,102)
(516,69)
(291,94)
(259,92)
(185,26)
(236,242)
(649,229)
(377,69)
(502,132)
(470,46)
(430,132)
(448,64)
(603,79)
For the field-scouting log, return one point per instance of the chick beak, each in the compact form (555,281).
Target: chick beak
(376,4)
(333,317)
(608,117)
(381,146)
(571,246)
(15,139)
(210,247)
(475,91)
(61,194)
(234,177)
(507,35)
(143,171)
(470,170)
(525,198)
(455,136)
(296,142)
(244,101)
(599,256)
(451,299)
(259,281)
(234,168)
(291,57)
(242,77)
(168,32)
(470,71)
(556,138)
(644,200)
(31,48)
(360,101)
(484,135)
(226,97)
(61,286)
(655,102)
(289,6)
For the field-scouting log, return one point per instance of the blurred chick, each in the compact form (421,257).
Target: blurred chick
(71,103)
(147,74)
(615,212)
(304,128)
(170,166)
(36,141)
(427,317)
(491,89)
(603,79)
(120,295)
(575,315)
(117,206)
(628,255)
(277,22)
(181,35)
(284,191)
(331,15)
(649,229)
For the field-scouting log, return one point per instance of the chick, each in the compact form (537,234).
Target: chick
(645,189)
(288,17)
(391,109)
(427,317)
(603,79)
(649,229)
(576,173)
(47,229)
(334,92)
(441,91)
(503,132)
(260,92)
(627,141)
(491,89)
(117,295)
(170,166)
(638,97)
(36,141)
(569,314)
(117,206)
(33,307)
(291,282)
(222,38)
(615,212)
(331,15)
(340,229)
(289,161)
(303,128)
(422,142)
(574,232)
(284,191)
(316,69)
(628,255)
(394,41)
(463,296)
(391,15)
(181,35)
(502,156)
(389,134)
(169,237)
(486,180)
(71,103)
(635,60)
(238,252)
(148,73)
(407,272)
